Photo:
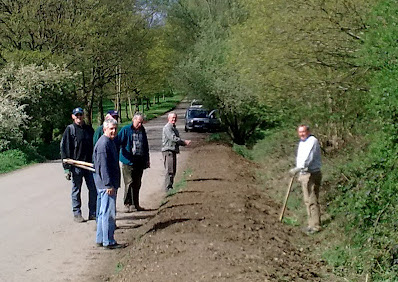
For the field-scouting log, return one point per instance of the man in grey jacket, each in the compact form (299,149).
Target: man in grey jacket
(171,143)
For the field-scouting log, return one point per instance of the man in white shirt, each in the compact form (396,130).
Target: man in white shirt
(308,165)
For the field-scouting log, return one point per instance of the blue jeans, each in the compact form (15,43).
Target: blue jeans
(77,180)
(106,219)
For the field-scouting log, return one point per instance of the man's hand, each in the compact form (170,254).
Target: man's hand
(111,191)
(68,174)
(187,142)
(293,171)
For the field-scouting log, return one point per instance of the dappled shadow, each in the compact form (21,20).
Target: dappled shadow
(206,179)
(189,191)
(128,226)
(132,216)
(164,224)
(181,205)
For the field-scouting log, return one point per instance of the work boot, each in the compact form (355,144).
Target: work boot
(309,230)
(78,218)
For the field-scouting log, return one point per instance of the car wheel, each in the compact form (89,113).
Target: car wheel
(186,129)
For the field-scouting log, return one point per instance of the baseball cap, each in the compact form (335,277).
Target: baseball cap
(113,113)
(77,111)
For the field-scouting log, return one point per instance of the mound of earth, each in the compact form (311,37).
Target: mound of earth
(219,227)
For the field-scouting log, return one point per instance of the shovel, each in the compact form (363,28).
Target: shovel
(287,197)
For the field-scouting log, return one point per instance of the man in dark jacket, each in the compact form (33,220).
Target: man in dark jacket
(77,144)
(107,180)
(134,155)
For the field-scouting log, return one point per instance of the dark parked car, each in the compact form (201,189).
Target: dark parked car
(198,118)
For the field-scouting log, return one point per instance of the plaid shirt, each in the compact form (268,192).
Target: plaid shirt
(133,143)
(137,148)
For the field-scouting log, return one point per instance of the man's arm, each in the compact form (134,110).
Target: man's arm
(146,148)
(170,134)
(66,151)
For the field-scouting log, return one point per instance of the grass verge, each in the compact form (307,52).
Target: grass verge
(16,158)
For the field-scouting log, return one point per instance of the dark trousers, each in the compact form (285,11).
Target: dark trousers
(132,175)
(170,165)
(77,180)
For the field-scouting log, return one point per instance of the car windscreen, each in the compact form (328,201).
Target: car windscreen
(197,113)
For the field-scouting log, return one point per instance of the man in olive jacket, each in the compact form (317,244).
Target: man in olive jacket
(171,143)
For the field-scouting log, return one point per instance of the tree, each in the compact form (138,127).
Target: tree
(302,55)
(206,70)
(40,98)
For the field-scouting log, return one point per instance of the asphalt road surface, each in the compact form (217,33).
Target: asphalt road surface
(39,241)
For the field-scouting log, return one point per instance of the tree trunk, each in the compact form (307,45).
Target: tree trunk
(90,102)
(100,118)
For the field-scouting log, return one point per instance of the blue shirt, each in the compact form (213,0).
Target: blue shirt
(106,164)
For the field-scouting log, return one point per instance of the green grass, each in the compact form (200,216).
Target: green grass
(178,186)
(243,151)
(119,267)
(155,110)
(13,159)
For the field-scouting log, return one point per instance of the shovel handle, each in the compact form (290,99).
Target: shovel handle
(287,197)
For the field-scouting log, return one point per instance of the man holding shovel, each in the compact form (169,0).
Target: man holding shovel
(308,165)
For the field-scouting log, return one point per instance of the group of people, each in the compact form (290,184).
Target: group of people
(105,148)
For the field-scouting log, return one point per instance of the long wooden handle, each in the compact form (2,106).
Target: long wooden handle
(287,197)
(74,162)
(85,167)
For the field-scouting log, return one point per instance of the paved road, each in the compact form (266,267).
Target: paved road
(39,241)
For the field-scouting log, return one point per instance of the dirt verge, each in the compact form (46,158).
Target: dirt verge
(220,227)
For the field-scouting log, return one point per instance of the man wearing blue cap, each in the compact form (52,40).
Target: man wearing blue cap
(100,129)
(77,144)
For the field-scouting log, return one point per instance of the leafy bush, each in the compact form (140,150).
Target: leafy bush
(367,201)
(33,100)
(13,159)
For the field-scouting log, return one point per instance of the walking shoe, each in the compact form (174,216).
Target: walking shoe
(92,217)
(78,218)
(128,208)
(99,244)
(139,208)
(309,230)
(115,246)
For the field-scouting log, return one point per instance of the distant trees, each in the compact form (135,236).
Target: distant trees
(108,46)
(259,62)
(206,66)
(262,61)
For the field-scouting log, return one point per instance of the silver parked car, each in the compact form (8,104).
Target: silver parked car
(200,119)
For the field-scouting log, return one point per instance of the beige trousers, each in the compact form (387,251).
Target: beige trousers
(311,183)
